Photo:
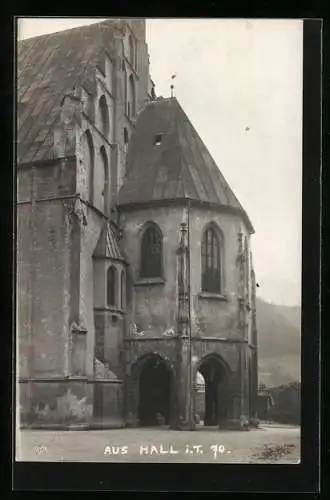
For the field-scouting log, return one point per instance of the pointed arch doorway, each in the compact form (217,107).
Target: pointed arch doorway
(215,406)
(155,391)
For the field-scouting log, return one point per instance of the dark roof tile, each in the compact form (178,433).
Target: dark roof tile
(49,66)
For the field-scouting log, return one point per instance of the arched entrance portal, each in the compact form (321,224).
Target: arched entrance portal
(216,378)
(154,402)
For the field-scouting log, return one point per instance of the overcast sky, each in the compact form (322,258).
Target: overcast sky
(240,83)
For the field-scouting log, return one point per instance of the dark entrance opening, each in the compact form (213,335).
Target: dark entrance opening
(216,402)
(154,392)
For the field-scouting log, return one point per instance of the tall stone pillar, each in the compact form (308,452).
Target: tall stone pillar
(31,292)
(117,157)
(254,338)
(241,327)
(185,418)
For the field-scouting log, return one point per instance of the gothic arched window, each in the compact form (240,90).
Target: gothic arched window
(122,289)
(151,252)
(246,268)
(110,73)
(125,89)
(131,50)
(111,286)
(104,116)
(89,163)
(246,264)
(211,260)
(131,101)
(105,178)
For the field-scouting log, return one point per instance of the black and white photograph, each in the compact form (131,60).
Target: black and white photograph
(159,240)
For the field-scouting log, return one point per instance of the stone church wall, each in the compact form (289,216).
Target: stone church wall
(108,403)
(153,307)
(211,315)
(52,179)
(56,403)
(44,305)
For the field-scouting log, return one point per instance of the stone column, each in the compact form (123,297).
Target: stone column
(240,322)
(241,329)
(31,292)
(116,169)
(130,389)
(185,418)
(254,338)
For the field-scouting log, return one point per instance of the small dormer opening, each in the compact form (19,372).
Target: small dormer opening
(158,139)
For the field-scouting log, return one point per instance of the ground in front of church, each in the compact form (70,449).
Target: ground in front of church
(270,443)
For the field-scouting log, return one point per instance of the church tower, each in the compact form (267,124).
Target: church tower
(79,94)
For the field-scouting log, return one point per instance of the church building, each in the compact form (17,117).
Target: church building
(135,282)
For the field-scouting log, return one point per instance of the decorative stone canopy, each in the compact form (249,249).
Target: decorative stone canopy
(108,244)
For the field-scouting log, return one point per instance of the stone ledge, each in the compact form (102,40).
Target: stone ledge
(111,310)
(146,338)
(106,425)
(73,427)
(228,340)
(213,296)
(55,427)
(149,281)
(46,380)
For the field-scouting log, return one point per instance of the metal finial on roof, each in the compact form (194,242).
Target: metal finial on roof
(172,86)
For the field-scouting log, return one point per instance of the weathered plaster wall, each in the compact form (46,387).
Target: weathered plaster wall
(153,307)
(23,281)
(109,320)
(213,316)
(136,28)
(62,402)
(227,350)
(90,234)
(55,291)
(83,184)
(113,342)
(52,179)
(109,328)
(44,287)
(56,281)
(108,403)
(99,272)
(135,349)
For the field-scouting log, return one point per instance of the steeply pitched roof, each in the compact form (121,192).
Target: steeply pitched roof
(108,244)
(179,168)
(48,67)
